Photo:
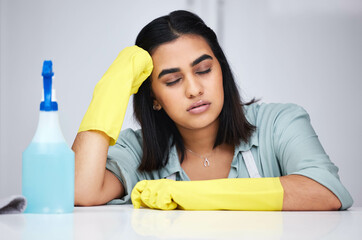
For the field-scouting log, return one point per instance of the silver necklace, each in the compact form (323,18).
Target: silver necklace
(206,161)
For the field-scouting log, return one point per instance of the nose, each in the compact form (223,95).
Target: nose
(193,87)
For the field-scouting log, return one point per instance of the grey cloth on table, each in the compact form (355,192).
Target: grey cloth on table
(12,204)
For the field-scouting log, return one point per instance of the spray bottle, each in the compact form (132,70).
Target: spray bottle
(48,162)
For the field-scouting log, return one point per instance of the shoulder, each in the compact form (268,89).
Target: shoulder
(130,137)
(273,113)
(126,154)
(129,143)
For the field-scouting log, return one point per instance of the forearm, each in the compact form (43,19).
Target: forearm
(302,193)
(291,192)
(248,194)
(90,148)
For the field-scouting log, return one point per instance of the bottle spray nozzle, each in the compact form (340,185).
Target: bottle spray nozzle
(47,69)
(47,104)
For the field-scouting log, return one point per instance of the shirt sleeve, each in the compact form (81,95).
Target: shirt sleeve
(299,151)
(123,160)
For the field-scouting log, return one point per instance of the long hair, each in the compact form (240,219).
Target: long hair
(158,130)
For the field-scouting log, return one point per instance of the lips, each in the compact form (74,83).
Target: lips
(198,104)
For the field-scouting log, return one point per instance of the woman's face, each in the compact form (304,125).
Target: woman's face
(187,82)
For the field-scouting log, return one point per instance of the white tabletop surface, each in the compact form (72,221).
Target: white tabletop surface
(124,222)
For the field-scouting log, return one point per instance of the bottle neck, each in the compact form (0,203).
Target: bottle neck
(48,129)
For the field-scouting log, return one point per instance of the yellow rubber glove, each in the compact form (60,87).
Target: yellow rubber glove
(252,194)
(111,94)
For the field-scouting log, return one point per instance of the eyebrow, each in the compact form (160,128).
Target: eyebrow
(167,71)
(195,62)
(200,59)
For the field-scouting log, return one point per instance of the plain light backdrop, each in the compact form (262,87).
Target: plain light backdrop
(306,52)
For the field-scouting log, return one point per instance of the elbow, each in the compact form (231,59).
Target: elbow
(334,204)
(329,202)
(85,201)
(82,201)
(86,198)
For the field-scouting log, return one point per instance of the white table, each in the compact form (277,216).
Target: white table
(124,222)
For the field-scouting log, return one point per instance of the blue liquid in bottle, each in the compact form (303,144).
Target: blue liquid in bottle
(48,162)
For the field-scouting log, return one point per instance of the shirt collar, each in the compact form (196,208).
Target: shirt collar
(173,164)
(254,139)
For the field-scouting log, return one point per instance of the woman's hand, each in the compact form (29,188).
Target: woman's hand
(111,94)
(250,194)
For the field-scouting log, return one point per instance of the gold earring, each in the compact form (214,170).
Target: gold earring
(156,107)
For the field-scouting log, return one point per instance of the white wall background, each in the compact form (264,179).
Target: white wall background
(306,52)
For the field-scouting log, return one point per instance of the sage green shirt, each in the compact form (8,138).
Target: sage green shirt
(284,143)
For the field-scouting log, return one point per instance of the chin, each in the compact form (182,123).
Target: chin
(203,124)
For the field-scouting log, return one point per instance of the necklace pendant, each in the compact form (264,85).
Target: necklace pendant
(206,163)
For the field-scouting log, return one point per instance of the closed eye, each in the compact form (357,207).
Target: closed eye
(204,72)
(173,82)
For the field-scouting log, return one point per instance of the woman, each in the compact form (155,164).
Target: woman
(195,127)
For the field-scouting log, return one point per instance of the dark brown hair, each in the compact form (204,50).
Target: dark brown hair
(158,130)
